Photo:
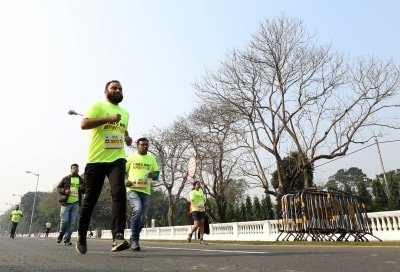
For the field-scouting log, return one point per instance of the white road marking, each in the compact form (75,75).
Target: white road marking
(209,250)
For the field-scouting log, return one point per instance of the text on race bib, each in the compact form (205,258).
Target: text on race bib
(113,141)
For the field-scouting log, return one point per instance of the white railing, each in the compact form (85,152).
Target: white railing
(384,225)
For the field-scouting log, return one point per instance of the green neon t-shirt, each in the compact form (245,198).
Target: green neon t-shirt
(198,199)
(107,141)
(16,216)
(137,167)
(74,190)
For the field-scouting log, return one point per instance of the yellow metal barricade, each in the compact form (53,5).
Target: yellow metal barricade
(323,216)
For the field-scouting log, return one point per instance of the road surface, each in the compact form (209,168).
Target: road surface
(45,255)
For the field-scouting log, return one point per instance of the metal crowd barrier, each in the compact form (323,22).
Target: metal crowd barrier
(323,216)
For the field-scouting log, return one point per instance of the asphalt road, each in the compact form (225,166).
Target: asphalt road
(44,254)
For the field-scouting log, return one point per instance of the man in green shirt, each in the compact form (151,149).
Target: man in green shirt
(15,217)
(70,190)
(142,169)
(106,158)
(48,226)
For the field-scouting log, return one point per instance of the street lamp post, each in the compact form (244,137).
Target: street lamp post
(72,112)
(34,200)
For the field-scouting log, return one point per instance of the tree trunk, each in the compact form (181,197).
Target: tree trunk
(171,208)
(221,210)
(306,178)
(281,181)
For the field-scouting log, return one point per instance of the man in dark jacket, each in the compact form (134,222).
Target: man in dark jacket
(70,190)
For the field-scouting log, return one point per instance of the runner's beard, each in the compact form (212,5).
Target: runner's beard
(115,98)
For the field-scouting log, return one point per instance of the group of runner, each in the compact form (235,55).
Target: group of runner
(78,196)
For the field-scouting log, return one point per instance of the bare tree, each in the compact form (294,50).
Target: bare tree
(172,152)
(295,96)
(325,124)
(214,138)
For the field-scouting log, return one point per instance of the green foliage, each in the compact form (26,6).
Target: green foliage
(182,212)
(242,213)
(292,174)
(49,211)
(159,208)
(231,212)
(249,209)
(257,211)
(348,180)
(267,208)
(347,188)
(380,202)
(364,195)
(332,184)
(353,181)
(235,191)
(233,195)
(393,186)
(253,210)
(26,207)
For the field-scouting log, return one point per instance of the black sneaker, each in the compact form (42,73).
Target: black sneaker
(119,243)
(81,247)
(135,246)
(67,242)
(59,238)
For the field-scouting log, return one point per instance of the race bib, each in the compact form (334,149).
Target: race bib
(74,192)
(113,141)
(141,182)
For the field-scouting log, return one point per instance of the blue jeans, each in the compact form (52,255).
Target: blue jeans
(140,203)
(68,214)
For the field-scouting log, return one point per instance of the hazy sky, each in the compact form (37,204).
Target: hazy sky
(58,55)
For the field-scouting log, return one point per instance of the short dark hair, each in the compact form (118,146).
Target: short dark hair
(111,81)
(74,164)
(195,182)
(141,140)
